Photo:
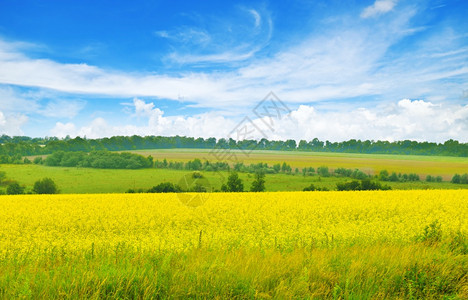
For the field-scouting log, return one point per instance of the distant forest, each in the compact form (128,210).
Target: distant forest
(21,145)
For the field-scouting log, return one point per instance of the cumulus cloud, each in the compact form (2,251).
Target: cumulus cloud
(62,130)
(379,7)
(202,125)
(407,119)
(11,124)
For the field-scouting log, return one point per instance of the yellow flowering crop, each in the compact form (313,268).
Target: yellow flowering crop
(72,223)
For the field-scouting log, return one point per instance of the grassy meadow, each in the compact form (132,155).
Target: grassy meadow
(87,180)
(322,245)
(72,180)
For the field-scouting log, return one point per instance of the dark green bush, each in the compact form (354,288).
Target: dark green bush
(312,187)
(165,187)
(197,175)
(363,185)
(45,186)
(14,188)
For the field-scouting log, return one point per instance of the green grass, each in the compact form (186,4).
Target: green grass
(413,271)
(87,180)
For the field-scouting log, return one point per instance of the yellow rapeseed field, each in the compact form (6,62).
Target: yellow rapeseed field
(34,224)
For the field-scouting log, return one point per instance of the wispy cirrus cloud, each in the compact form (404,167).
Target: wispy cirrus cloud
(220,40)
(257,17)
(184,35)
(12,101)
(338,63)
(60,108)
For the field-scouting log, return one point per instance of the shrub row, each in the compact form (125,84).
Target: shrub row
(42,186)
(99,159)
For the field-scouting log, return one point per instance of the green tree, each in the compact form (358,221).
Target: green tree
(383,175)
(45,186)
(14,188)
(224,188)
(323,171)
(276,168)
(234,183)
(456,178)
(393,177)
(464,178)
(258,185)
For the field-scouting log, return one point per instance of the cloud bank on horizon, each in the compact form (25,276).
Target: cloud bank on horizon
(388,70)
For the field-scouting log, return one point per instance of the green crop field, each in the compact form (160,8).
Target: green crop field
(369,163)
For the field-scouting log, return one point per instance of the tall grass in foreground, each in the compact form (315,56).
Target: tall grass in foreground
(422,270)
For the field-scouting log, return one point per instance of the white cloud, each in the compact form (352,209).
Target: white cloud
(379,7)
(185,35)
(62,108)
(331,64)
(407,119)
(99,128)
(334,64)
(11,124)
(221,40)
(162,33)
(256,16)
(62,130)
(228,56)
(11,101)
(203,125)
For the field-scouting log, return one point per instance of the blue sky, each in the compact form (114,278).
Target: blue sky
(384,69)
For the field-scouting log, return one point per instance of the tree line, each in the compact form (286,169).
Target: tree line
(13,147)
